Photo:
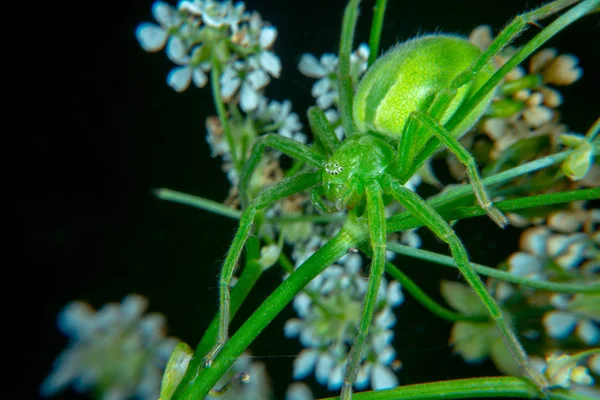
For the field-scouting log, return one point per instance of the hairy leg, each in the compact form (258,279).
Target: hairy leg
(283,189)
(287,146)
(418,118)
(418,207)
(376,218)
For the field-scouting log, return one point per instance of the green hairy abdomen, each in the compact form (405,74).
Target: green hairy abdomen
(407,78)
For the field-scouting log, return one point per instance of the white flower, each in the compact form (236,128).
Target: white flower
(572,315)
(325,90)
(153,37)
(249,78)
(328,328)
(116,351)
(180,77)
(279,116)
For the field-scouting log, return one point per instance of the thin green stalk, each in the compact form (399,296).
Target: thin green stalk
(198,387)
(501,177)
(406,220)
(197,202)
(593,131)
(427,301)
(376,28)
(593,287)
(215,76)
(504,386)
(411,287)
(345,80)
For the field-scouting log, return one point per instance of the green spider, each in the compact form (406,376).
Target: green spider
(418,98)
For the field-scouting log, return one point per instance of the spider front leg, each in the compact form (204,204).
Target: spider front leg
(407,144)
(270,195)
(287,146)
(377,231)
(430,218)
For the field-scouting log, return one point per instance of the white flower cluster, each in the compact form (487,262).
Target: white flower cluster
(326,89)
(328,327)
(200,33)
(268,117)
(116,351)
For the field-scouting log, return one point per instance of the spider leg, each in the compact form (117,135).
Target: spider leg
(418,207)
(323,131)
(377,231)
(276,192)
(418,118)
(287,146)
(316,196)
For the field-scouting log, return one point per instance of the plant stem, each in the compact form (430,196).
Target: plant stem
(352,234)
(504,386)
(593,287)
(427,301)
(405,220)
(215,75)
(345,80)
(197,202)
(376,28)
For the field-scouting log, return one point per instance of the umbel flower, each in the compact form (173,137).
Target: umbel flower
(329,311)
(325,90)
(200,34)
(116,352)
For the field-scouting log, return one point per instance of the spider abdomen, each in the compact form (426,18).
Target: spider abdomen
(408,77)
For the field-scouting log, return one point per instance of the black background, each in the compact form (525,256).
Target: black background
(109,130)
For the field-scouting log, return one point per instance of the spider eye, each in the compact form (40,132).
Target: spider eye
(333,168)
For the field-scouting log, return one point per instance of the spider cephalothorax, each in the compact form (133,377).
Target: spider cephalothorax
(359,160)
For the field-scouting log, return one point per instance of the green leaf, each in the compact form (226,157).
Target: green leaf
(176,367)
(473,341)
(462,298)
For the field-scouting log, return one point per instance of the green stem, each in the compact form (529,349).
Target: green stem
(504,386)
(197,202)
(376,28)
(199,385)
(345,80)
(504,176)
(406,220)
(593,287)
(427,301)
(215,75)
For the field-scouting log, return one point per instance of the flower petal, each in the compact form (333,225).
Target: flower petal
(151,37)
(336,377)
(298,391)
(249,98)
(588,332)
(163,13)
(383,378)
(177,51)
(310,66)
(179,78)
(394,295)
(304,364)
(258,79)
(267,37)
(559,324)
(199,77)
(324,367)
(271,63)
